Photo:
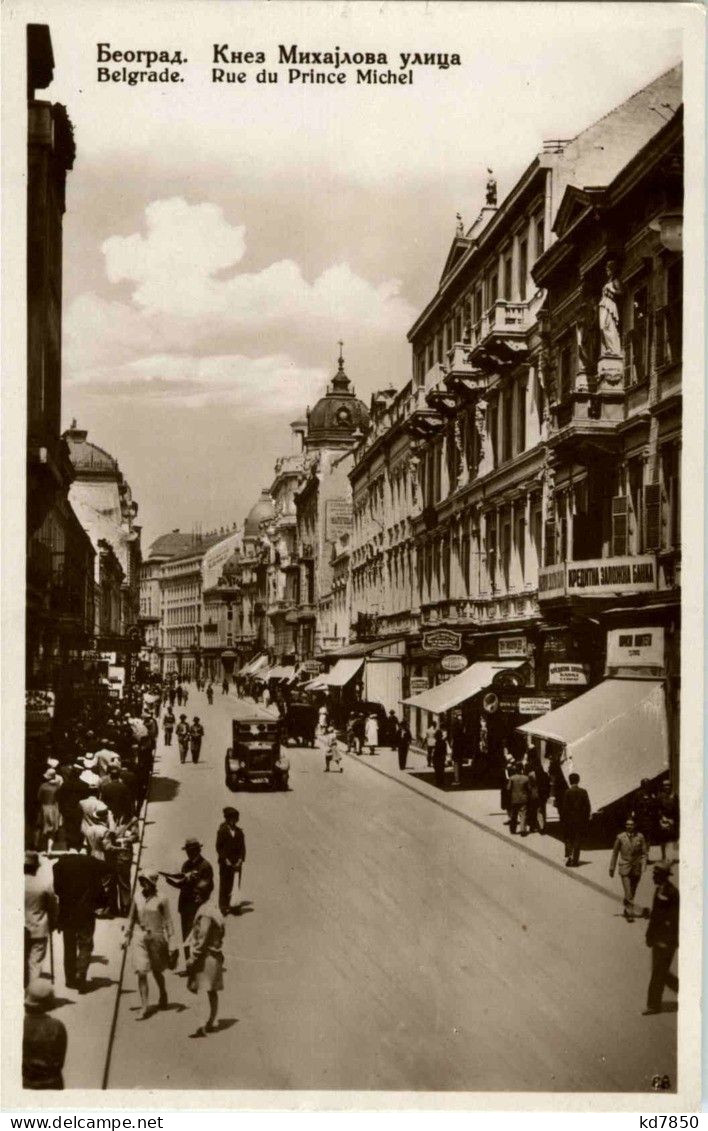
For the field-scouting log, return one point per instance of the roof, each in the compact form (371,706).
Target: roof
(181,545)
(89,458)
(261,511)
(339,413)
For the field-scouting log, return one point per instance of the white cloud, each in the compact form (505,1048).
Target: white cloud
(190,305)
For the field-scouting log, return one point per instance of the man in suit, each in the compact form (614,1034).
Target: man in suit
(195,882)
(662,936)
(78,885)
(518,799)
(630,849)
(575,818)
(231,853)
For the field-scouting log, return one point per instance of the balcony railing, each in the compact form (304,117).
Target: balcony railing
(669,329)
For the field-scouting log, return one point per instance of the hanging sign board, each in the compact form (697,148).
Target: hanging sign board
(454,662)
(442,640)
(512,647)
(534,706)
(635,648)
(312,667)
(568,675)
(419,683)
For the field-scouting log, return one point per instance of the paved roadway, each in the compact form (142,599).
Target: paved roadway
(389,945)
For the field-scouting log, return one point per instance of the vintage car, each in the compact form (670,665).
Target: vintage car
(301,723)
(254,753)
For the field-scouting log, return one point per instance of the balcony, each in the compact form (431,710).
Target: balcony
(463,378)
(498,340)
(424,421)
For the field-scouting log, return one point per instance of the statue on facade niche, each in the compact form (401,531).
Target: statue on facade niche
(608,311)
(467,328)
(460,228)
(461,459)
(414,470)
(481,426)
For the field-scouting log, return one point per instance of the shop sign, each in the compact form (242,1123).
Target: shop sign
(419,683)
(555,644)
(635,648)
(106,657)
(339,518)
(568,675)
(39,706)
(534,705)
(311,667)
(512,647)
(453,662)
(597,577)
(442,640)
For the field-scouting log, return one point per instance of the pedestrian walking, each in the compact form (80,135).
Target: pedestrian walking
(172,695)
(359,732)
(322,717)
(185,696)
(79,889)
(44,1040)
(206,963)
(225,686)
(575,817)
(371,732)
(40,915)
(49,820)
(403,741)
(630,850)
(440,751)
(115,794)
(667,818)
(196,734)
(182,731)
(645,811)
(168,725)
(430,736)
(331,749)
(195,881)
(231,853)
(662,936)
(150,928)
(518,800)
(180,694)
(210,694)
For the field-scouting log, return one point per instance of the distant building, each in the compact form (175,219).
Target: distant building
(220,593)
(103,503)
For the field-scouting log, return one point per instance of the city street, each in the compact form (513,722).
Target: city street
(385,943)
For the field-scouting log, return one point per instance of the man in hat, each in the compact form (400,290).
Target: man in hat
(575,813)
(78,883)
(182,732)
(196,734)
(40,914)
(168,725)
(231,853)
(116,795)
(662,936)
(631,851)
(195,881)
(43,1040)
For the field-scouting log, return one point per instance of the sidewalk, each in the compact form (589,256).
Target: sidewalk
(481,807)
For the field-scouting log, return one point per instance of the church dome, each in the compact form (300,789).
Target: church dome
(88,458)
(263,511)
(338,414)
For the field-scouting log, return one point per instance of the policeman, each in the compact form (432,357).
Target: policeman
(196,734)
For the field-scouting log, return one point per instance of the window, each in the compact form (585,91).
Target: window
(478,304)
(636,340)
(540,236)
(520,539)
(507,407)
(458,326)
(439,348)
(635,487)
(491,548)
(505,549)
(507,278)
(669,317)
(492,289)
(492,422)
(523,269)
(520,417)
(566,368)
(431,356)
(671,479)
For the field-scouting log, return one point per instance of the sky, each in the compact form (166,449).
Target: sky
(220,239)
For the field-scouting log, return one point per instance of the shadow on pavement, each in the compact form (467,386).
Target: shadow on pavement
(225,1023)
(98,984)
(163,789)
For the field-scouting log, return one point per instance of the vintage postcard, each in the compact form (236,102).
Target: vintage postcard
(353,428)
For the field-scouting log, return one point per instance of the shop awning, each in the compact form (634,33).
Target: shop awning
(342,672)
(454,691)
(282,672)
(255,665)
(614,735)
(317,684)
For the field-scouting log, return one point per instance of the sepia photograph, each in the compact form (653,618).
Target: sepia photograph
(346,441)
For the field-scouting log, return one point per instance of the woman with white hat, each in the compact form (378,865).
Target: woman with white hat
(150,927)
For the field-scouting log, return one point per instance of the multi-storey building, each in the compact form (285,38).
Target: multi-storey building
(323,502)
(610,579)
(452,483)
(220,593)
(60,558)
(102,501)
(283,568)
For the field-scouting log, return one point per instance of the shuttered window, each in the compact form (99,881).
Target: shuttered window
(549,556)
(652,516)
(620,526)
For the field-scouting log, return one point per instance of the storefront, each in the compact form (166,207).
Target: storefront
(618,732)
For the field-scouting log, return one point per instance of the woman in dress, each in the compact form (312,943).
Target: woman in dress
(49,820)
(372,733)
(150,927)
(206,961)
